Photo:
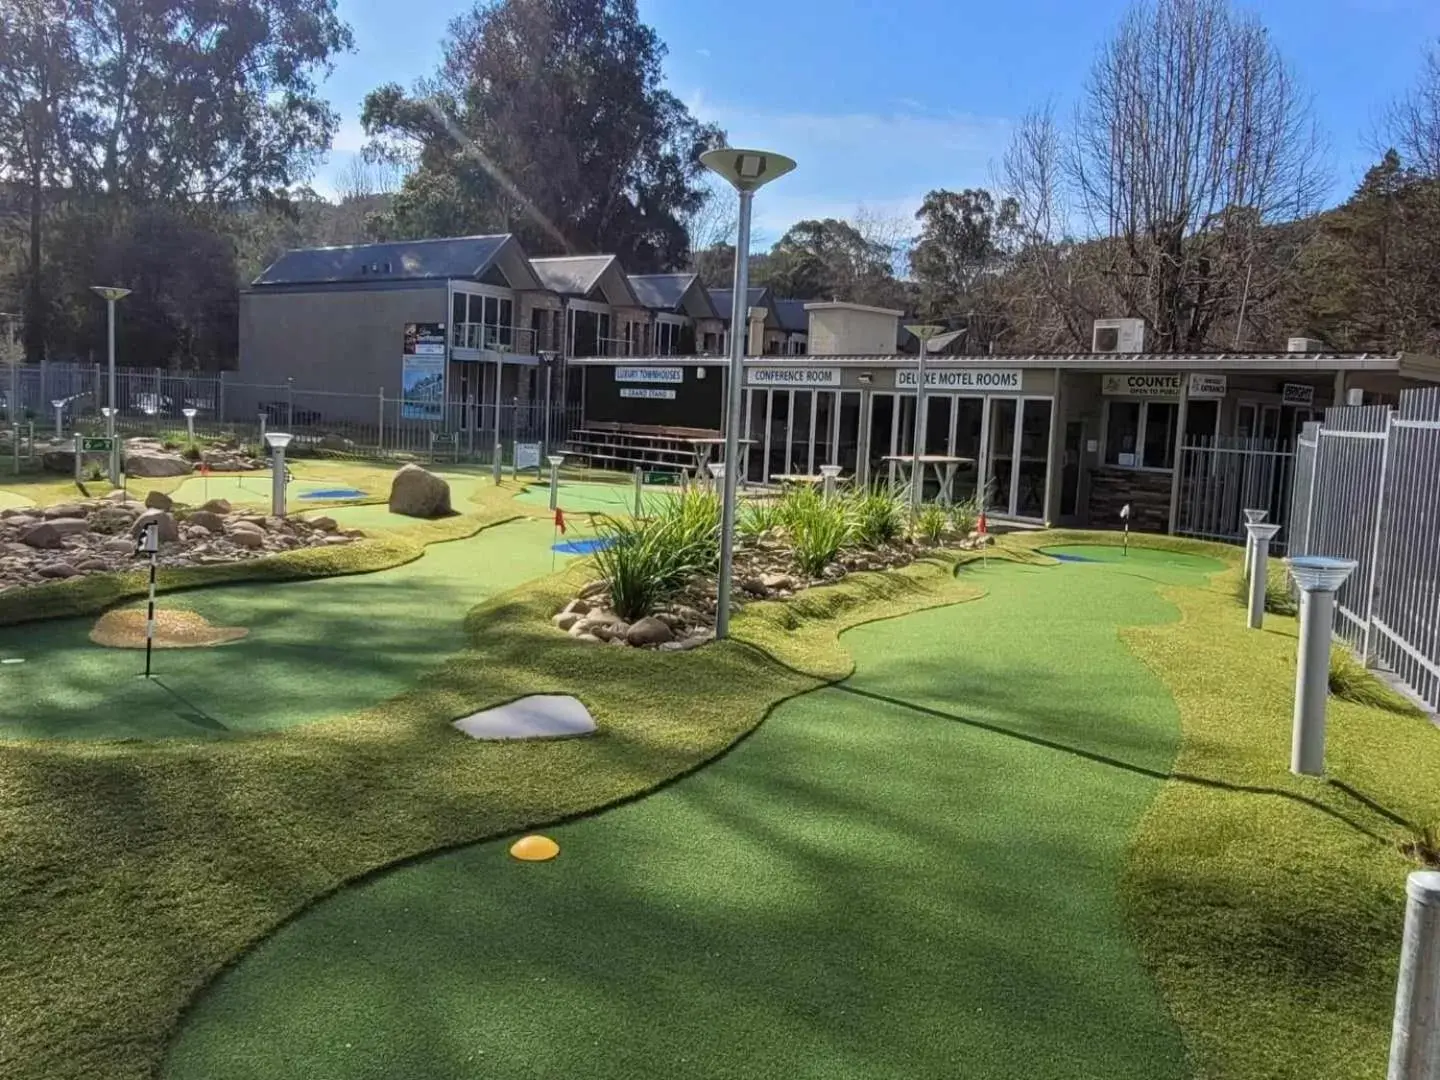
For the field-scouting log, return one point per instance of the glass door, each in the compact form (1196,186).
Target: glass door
(881,441)
(802,437)
(847,432)
(759,404)
(777,435)
(1034,459)
(1000,455)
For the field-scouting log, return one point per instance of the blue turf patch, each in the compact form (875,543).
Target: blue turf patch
(1070,558)
(333,493)
(582,547)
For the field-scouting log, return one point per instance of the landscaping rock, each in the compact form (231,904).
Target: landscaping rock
(64,510)
(324,524)
(755,586)
(57,570)
(119,547)
(148,460)
(415,492)
(208,520)
(158,500)
(777,582)
(615,631)
(169,531)
(119,495)
(217,506)
(594,589)
(650,631)
(92,565)
(565,620)
(248,538)
(50,534)
(576,607)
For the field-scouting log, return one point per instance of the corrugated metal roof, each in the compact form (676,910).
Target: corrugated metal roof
(405,260)
(571,275)
(661,291)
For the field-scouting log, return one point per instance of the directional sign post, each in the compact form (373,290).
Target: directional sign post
(91,444)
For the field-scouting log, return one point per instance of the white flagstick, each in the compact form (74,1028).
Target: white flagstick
(150,544)
(1125,517)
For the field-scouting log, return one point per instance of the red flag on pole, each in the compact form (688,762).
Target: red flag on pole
(982,526)
(204,469)
(560,520)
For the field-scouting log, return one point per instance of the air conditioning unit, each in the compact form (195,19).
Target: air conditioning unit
(1304,345)
(1118,336)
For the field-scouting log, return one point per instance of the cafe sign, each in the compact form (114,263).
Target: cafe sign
(962,379)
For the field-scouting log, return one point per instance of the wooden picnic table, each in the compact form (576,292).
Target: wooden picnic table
(945,467)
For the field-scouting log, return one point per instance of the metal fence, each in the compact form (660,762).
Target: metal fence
(1222,478)
(64,398)
(1371,492)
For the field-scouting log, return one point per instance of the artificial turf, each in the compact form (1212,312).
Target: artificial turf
(911,874)
(314,649)
(13,500)
(589,497)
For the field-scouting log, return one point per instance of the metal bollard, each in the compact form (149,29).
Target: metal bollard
(1260,536)
(1415,1037)
(831,473)
(555,460)
(496,464)
(1252,517)
(639,491)
(1317,577)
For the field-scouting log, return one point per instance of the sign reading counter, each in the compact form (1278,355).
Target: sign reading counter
(1142,385)
(792,376)
(962,379)
(650,375)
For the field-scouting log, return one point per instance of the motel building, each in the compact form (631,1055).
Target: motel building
(1187,441)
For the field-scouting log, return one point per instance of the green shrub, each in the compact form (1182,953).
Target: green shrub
(964,516)
(877,518)
(757,517)
(930,524)
(689,527)
(644,562)
(817,532)
(94,472)
(1352,681)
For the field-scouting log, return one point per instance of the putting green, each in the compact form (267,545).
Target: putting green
(314,649)
(584,497)
(10,500)
(253,488)
(910,875)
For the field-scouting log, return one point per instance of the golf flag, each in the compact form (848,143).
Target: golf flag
(982,526)
(560,520)
(204,469)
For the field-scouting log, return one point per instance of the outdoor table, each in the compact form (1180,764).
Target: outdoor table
(943,465)
(703,448)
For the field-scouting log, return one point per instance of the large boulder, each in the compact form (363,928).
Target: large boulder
(48,534)
(149,460)
(207,519)
(415,492)
(650,631)
(158,500)
(169,531)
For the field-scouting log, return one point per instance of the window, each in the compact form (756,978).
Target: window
(1201,421)
(1141,434)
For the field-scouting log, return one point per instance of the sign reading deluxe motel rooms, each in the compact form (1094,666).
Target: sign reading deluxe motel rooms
(962,379)
(1163,386)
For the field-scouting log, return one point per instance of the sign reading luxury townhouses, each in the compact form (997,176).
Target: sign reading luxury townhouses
(650,374)
(962,379)
(792,376)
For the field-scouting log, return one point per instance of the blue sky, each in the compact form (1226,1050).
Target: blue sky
(881,100)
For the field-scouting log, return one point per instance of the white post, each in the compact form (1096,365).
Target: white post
(278,440)
(831,473)
(496,465)
(59,419)
(1260,536)
(734,386)
(1317,577)
(639,492)
(1252,517)
(556,460)
(1415,1037)
(110,418)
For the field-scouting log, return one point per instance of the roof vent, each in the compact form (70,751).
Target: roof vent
(1118,336)
(1304,345)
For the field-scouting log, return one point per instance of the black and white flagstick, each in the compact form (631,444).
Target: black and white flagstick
(150,545)
(1125,517)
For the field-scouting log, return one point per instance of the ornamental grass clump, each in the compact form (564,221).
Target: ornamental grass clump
(643,563)
(876,518)
(930,524)
(818,530)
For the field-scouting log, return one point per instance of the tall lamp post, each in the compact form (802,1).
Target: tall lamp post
(110,294)
(923,333)
(747,171)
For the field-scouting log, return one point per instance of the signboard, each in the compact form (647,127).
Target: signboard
(90,444)
(1298,394)
(1207,386)
(963,378)
(650,374)
(792,376)
(653,392)
(422,372)
(527,455)
(1141,385)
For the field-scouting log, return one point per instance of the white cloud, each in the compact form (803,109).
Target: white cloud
(703,52)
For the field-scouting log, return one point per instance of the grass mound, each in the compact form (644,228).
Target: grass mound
(173,630)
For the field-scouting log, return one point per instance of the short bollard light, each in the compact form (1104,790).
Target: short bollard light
(555,460)
(189,415)
(278,441)
(1318,577)
(59,406)
(1259,543)
(1415,1035)
(1252,517)
(639,491)
(262,418)
(497,464)
(831,473)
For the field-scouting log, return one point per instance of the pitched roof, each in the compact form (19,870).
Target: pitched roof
(571,275)
(722,299)
(792,317)
(404,260)
(661,291)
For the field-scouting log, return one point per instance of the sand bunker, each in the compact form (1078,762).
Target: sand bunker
(173,630)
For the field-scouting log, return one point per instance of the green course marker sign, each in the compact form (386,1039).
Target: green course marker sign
(100,444)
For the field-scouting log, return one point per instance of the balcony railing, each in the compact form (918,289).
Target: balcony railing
(494,338)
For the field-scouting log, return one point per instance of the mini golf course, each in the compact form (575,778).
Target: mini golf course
(586,497)
(11,500)
(313,649)
(911,874)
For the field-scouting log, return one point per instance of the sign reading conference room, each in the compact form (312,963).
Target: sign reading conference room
(962,379)
(792,376)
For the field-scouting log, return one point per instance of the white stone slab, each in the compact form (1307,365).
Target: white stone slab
(540,716)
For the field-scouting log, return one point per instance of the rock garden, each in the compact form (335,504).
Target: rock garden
(656,585)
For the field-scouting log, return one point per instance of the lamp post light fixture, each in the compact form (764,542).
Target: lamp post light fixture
(59,406)
(746,171)
(278,441)
(1252,517)
(923,333)
(262,417)
(1260,536)
(555,460)
(1318,577)
(110,294)
(547,361)
(831,473)
(189,415)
